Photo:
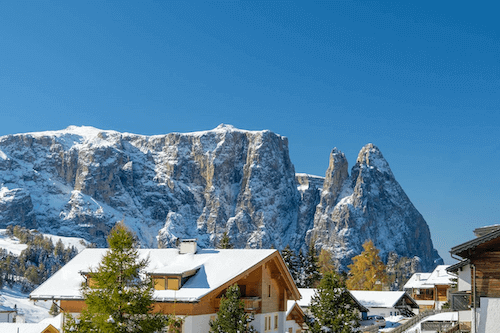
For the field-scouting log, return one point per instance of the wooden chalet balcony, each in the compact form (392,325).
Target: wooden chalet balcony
(250,303)
(423,297)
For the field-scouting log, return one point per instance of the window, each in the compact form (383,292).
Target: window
(159,283)
(290,330)
(172,284)
(269,290)
(276,322)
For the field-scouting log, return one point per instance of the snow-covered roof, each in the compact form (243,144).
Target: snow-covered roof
(378,299)
(215,267)
(428,280)
(6,309)
(418,280)
(23,327)
(445,316)
(307,294)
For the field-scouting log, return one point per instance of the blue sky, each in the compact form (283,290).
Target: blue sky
(421,81)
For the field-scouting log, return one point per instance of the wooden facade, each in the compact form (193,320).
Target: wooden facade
(487,278)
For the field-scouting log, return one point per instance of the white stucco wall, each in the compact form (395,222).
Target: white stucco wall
(259,322)
(291,324)
(489,315)
(384,312)
(6,317)
(196,324)
(464,278)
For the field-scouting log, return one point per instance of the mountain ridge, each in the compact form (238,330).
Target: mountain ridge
(81,180)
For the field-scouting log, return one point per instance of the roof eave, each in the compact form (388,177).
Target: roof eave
(461,250)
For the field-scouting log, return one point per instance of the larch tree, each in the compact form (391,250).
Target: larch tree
(367,271)
(120,297)
(231,317)
(332,307)
(325,262)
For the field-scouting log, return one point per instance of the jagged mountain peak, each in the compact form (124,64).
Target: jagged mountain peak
(371,157)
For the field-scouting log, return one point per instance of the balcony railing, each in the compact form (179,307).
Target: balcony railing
(250,303)
(460,301)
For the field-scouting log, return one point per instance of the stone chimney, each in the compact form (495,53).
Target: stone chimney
(188,246)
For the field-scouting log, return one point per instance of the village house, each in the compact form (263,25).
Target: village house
(386,303)
(430,290)
(7,314)
(478,273)
(190,283)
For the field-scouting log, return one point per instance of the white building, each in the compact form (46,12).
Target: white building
(430,290)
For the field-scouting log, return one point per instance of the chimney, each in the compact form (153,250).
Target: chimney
(187,246)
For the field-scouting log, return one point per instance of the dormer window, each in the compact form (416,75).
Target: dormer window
(164,280)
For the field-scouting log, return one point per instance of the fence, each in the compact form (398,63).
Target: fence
(413,321)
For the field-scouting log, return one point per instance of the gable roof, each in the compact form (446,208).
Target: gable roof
(439,276)
(308,293)
(463,249)
(294,312)
(382,299)
(214,269)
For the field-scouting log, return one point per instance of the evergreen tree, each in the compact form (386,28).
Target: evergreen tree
(54,310)
(367,271)
(225,242)
(332,307)
(300,278)
(291,262)
(311,269)
(231,317)
(325,262)
(120,297)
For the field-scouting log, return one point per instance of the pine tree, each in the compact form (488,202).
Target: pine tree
(311,269)
(120,299)
(332,307)
(231,317)
(225,242)
(367,271)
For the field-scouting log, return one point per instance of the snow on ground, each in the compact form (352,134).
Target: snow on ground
(12,245)
(33,313)
(392,322)
(79,243)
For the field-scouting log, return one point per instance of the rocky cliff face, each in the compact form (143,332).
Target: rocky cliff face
(369,204)
(80,181)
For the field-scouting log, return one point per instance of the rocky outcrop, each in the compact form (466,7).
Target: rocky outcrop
(17,208)
(81,180)
(370,204)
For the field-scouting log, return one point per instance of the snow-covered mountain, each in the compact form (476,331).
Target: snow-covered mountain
(81,180)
